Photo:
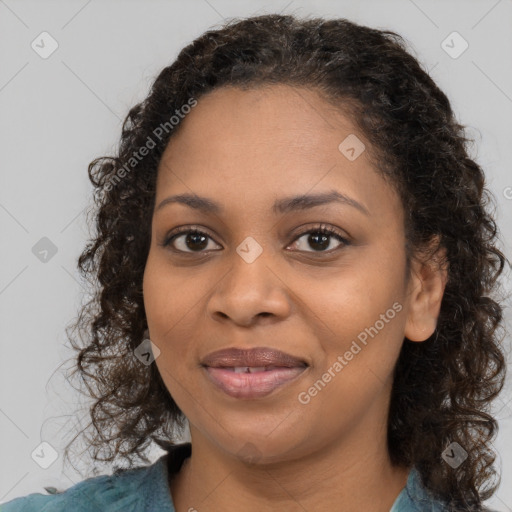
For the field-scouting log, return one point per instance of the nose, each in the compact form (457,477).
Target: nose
(250,293)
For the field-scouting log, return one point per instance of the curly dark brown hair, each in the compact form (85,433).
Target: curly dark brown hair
(444,386)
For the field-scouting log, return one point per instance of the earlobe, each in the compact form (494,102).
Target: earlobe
(427,284)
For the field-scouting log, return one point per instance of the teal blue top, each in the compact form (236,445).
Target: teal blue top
(146,489)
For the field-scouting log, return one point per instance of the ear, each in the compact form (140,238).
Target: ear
(429,274)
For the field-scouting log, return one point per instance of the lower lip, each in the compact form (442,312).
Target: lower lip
(252,385)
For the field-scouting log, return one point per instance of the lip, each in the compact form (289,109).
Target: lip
(258,356)
(259,371)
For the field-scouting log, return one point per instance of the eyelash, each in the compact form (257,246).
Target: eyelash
(321,229)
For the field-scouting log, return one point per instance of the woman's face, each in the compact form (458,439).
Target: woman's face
(261,275)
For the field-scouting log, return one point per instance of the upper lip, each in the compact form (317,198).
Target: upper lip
(256,357)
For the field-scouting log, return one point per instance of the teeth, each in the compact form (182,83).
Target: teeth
(250,369)
(258,369)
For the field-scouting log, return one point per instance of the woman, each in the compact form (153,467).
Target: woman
(293,253)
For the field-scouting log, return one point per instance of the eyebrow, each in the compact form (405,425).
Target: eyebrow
(281,206)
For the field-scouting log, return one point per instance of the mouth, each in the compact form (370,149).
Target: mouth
(254,373)
(251,369)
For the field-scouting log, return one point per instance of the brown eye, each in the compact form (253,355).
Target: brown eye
(190,241)
(320,240)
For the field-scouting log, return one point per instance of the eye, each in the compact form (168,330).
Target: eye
(190,240)
(320,239)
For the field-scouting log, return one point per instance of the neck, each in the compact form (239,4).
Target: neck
(344,476)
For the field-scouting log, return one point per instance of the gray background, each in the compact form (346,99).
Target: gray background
(59,113)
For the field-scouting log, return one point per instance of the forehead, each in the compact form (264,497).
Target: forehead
(263,143)
(276,118)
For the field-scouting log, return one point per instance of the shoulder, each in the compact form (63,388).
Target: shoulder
(415,497)
(124,490)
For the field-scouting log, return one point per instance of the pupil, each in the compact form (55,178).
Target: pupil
(319,241)
(193,238)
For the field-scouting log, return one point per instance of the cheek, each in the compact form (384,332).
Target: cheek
(358,354)
(174,303)
(355,297)
(359,316)
(169,297)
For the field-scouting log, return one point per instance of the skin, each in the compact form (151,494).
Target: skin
(244,150)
